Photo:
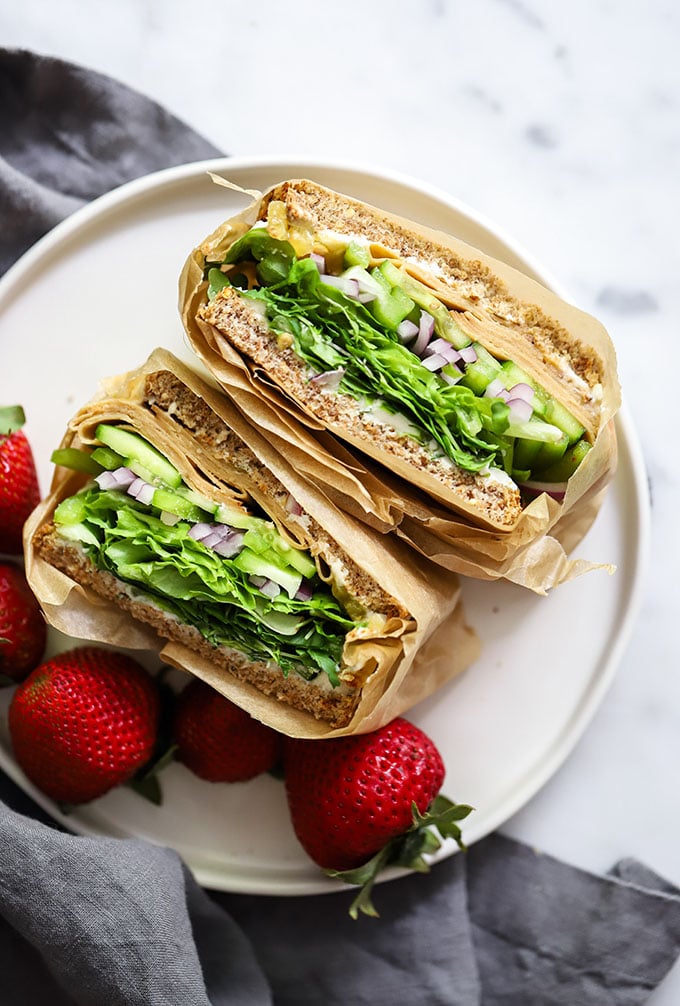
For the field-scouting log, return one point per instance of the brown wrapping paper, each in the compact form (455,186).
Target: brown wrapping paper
(414,655)
(535,553)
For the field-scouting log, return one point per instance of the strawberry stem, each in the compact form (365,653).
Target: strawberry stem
(425,836)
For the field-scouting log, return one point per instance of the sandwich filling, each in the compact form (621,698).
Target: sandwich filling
(228,570)
(363,325)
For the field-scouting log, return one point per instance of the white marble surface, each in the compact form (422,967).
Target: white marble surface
(561,123)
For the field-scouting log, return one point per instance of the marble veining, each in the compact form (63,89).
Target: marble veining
(558,122)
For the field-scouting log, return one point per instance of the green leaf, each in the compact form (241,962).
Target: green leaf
(149,787)
(203,589)
(332,331)
(76,460)
(407,850)
(12,418)
(217,280)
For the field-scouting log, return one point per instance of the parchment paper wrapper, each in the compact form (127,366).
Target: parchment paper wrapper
(414,655)
(535,553)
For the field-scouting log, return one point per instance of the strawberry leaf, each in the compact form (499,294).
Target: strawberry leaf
(146,782)
(408,850)
(149,787)
(12,418)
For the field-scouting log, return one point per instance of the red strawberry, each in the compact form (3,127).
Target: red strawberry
(219,741)
(84,722)
(22,627)
(19,492)
(365,801)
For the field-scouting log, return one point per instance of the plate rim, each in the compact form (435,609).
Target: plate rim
(598,684)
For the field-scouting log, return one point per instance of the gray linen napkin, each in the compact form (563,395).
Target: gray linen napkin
(111,921)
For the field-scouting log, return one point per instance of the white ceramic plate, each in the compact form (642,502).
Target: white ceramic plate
(93,298)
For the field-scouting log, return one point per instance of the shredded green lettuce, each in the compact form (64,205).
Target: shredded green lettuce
(331,330)
(202,589)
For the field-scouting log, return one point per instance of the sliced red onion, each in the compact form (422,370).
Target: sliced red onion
(435,362)
(292,505)
(141,490)
(124,477)
(347,285)
(520,410)
(106,480)
(230,545)
(146,493)
(365,297)
(425,332)
(495,389)
(265,585)
(407,330)
(468,354)
(199,531)
(554,489)
(319,261)
(329,379)
(444,347)
(212,539)
(523,391)
(304,592)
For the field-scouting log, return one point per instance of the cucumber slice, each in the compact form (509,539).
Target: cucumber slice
(567,465)
(140,470)
(549,453)
(535,429)
(445,324)
(300,561)
(480,374)
(107,458)
(525,454)
(136,448)
(356,254)
(197,499)
(559,416)
(171,502)
(280,621)
(249,562)
(282,554)
(76,460)
(390,309)
(234,517)
(545,406)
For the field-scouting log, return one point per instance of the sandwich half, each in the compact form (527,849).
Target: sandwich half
(167,506)
(408,346)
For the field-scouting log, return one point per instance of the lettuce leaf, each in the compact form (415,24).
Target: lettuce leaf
(187,579)
(331,330)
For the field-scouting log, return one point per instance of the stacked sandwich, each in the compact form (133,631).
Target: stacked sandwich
(388,408)
(171,516)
